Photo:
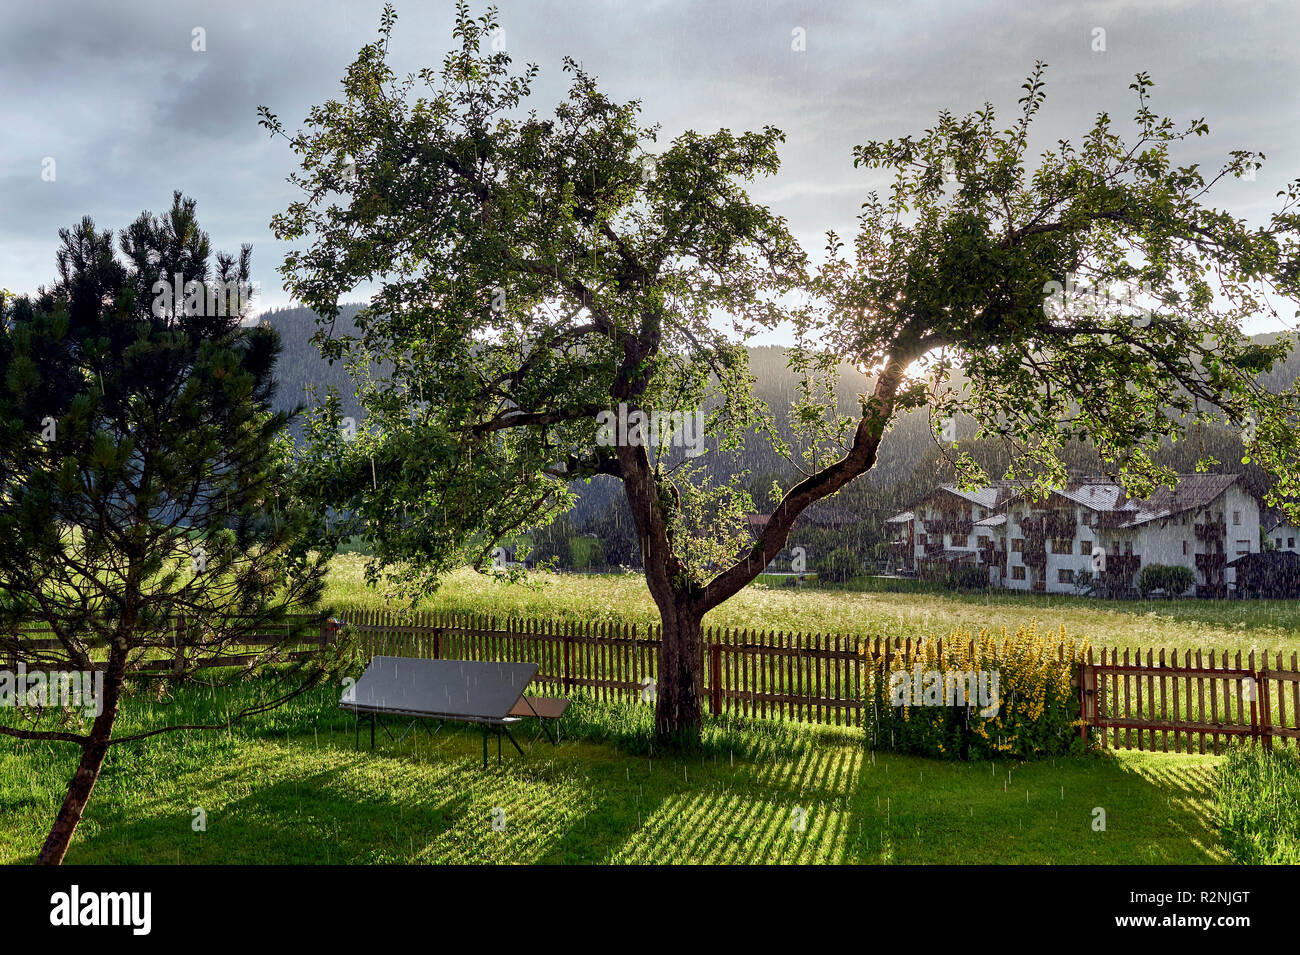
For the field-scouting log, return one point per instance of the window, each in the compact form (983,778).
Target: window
(1184,548)
(1065,576)
(1128,548)
(1277,542)
(1290,542)
(1062,545)
(1087,518)
(983,541)
(959,540)
(921,538)
(1017,545)
(1236,517)
(1243,547)
(1018,572)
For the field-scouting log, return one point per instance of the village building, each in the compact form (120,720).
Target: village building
(1280,532)
(1088,536)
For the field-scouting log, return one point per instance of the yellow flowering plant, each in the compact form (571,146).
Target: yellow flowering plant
(968,696)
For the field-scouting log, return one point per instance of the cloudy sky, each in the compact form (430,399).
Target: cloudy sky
(107,107)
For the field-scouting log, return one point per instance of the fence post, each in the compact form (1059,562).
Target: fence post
(1265,720)
(178,662)
(715,678)
(1087,688)
(568,649)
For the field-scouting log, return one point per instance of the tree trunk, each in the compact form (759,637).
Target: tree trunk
(679,717)
(92,760)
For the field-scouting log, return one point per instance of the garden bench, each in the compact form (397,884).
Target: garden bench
(460,691)
(543,707)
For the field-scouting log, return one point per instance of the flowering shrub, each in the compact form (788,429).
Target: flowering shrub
(978,697)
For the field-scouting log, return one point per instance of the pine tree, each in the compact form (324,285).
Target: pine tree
(144,480)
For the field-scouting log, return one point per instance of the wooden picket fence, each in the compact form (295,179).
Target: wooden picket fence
(1145,699)
(816,678)
(1201,702)
(806,677)
(1196,703)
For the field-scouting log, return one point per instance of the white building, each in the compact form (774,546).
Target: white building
(1048,546)
(1281,533)
(944,529)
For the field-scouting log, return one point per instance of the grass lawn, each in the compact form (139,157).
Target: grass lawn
(1183,624)
(291,787)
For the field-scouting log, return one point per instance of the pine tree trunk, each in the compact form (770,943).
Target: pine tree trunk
(92,760)
(679,716)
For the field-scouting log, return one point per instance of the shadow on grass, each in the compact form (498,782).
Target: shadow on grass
(299,791)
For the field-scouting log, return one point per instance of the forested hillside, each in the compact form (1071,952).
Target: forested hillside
(909,462)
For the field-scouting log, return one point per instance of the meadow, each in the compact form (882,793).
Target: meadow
(298,785)
(292,786)
(1182,624)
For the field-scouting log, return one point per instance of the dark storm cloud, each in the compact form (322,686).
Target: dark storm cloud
(129,111)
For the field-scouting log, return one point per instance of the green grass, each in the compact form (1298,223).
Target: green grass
(1243,625)
(1257,796)
(291,787)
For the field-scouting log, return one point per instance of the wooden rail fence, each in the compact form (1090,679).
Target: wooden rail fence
(1129,699)
(815,678)
(822,678)
(1201,702)
(808,677)
(301,637)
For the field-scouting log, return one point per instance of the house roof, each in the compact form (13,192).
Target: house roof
(1268,559)
(1098,496)
(997,520)
(1272,518)
(990,496)
(901,518)
(1194,491)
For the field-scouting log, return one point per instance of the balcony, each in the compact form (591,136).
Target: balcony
(1214,530)
(1122,565)
(1211,564)
(1055,524)
(949,524)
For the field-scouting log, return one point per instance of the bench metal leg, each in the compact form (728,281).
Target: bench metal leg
(512,741)
(411,725)
(541,721)
(546,729)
